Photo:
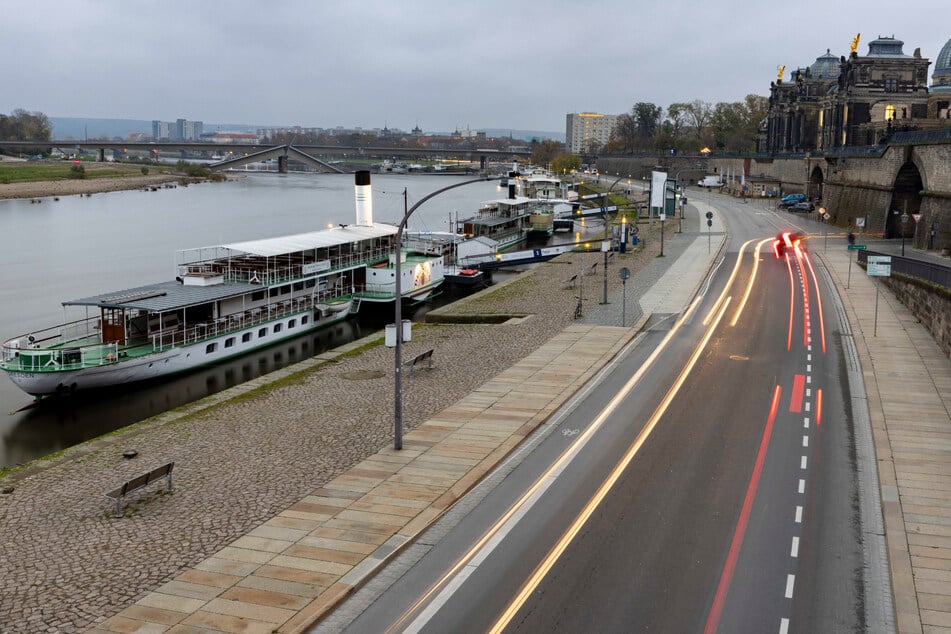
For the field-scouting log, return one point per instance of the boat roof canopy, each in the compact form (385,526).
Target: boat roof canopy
(165,296)
(346,234)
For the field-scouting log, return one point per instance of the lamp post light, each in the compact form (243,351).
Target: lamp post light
(904,223)
(398,308)
(606,243)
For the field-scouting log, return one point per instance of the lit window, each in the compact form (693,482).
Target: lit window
(889,112)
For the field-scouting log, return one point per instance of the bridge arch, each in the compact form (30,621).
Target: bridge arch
(814,184)
(906,198)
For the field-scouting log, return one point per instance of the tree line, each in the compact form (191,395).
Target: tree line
(688,127)
(21,125)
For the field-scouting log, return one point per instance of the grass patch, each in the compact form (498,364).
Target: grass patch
(27,173)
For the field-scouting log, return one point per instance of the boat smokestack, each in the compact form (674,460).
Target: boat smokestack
(364,198)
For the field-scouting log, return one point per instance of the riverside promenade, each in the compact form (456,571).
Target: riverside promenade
(249,543)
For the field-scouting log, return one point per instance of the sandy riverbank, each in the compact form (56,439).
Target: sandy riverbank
(42,189)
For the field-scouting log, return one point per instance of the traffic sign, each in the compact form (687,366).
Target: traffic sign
(709,223)
(858,247)
(624,273)
(917,217)
(879,265)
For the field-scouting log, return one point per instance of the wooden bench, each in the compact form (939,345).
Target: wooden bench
(419,358)
(138,482)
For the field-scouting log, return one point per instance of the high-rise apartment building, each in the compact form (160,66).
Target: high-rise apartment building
(585,128)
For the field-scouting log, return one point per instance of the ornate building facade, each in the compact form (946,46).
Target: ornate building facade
(854,100)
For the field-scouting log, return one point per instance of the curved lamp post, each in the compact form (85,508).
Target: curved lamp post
(605,244)
(398,312)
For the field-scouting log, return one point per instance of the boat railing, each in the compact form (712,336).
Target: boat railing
(234,322)
(284,273)
(48,350)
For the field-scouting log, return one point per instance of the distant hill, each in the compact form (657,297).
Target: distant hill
(69,128)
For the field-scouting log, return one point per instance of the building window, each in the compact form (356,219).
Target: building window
(246,337)
(891,85)
(229,342)
(211,347)
(889,112)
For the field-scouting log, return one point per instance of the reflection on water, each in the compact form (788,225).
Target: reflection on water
(56,423)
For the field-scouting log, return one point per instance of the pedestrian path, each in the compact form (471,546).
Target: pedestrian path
(908,385)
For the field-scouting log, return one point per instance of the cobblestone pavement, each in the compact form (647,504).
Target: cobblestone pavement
(245,454)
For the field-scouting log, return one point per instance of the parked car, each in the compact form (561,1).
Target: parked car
(791,199)
(802,207)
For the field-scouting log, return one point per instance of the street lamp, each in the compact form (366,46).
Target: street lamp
(606,243)
(398,307)
(904,223)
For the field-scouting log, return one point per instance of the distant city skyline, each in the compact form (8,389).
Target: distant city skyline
(441,66)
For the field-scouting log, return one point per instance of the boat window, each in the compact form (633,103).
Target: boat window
(273,292)
(303,320)
(246,337)
(229,342)
(211,347)
(262,332)
(257,296)
(310,283)
(285,289)
(292,324)
(277,327)
(298,286)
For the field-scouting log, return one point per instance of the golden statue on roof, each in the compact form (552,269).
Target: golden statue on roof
(779,76)
(855,42)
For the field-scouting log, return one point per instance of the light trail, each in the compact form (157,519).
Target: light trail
(749,283)
(562,544)
(822,323)
(729,284)
(726,577)
(441,590)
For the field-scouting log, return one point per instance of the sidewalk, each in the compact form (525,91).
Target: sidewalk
(908,386)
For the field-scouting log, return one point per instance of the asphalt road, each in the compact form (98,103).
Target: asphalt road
(705,483)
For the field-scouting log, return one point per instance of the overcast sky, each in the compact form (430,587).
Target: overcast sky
(442,65)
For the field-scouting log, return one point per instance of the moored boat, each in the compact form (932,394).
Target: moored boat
(225,301)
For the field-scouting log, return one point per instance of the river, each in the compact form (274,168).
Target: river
(78,246)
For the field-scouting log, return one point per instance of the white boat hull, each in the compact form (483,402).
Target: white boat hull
(174,360)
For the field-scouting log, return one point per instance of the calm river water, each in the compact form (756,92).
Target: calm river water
(82,245)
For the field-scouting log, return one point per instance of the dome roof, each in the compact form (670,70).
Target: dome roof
(825,67)
(942,65)
(941,78)
(886,47)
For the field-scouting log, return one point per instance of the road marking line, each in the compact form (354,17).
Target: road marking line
(802,485)
(805,422)
(790,582)
(795,400)
(802,462)
(805,441)
(784,626)
(799,515)
(795,547)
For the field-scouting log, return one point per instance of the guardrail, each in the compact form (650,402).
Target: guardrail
(928,271)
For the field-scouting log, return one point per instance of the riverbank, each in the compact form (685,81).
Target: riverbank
(93,184)
(244,455)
